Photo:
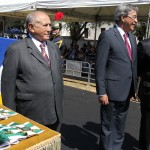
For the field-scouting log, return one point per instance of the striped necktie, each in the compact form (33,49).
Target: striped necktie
(43,51)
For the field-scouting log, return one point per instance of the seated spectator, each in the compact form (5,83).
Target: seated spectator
(73,52)
(91,55)
(89,44)
(65,53)
(80,55)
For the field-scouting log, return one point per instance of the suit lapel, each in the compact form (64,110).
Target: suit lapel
(118,35)
(52,55)
(35,52)
(51,52)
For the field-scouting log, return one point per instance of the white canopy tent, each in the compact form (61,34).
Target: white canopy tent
(74,10)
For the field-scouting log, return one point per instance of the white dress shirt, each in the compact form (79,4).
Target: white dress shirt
(37,43)
(122,34)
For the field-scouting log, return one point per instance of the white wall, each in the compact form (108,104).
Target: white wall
(91,34)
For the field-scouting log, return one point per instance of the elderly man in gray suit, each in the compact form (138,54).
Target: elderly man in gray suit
(116,75)
(32,81)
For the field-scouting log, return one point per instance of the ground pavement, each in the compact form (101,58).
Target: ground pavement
(80,128)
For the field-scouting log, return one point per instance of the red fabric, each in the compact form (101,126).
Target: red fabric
(128,46)
(58,16)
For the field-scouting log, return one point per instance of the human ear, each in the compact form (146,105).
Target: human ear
(122,18)
(30,27)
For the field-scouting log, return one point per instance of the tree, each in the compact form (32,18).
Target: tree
(140,31)
(19,24)
(77,29)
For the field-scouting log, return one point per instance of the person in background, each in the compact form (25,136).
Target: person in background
(73,51)
(116,75)
(57,38)
(80,55)
(32,81)
(144,92)
(91,55)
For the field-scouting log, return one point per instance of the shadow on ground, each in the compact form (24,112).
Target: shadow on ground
(79,138)
(81,124)
(129,142)
(84,138)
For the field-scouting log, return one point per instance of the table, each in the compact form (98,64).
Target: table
(0,99)
(47,140)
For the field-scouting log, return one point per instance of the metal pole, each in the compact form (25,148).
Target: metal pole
(95,33)
(147,28)
(89,73)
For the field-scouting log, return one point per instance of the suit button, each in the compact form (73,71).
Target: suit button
(129,77)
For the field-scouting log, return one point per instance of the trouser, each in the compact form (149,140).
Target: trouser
(56,126)
(144,137)
(113,119)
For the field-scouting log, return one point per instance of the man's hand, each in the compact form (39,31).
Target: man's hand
(103,99)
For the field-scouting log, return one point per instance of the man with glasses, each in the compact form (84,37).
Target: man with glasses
(116,63)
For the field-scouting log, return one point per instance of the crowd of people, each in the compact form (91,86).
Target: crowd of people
(84,53)
(33,85)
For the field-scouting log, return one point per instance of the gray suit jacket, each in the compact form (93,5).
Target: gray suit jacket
(114,69)
(29,86)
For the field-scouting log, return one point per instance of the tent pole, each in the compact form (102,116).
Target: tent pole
(3,28)
(96,19)
(147,28)
(95,33)
(3,25)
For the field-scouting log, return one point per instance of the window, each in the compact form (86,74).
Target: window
(103,29)
(86,33)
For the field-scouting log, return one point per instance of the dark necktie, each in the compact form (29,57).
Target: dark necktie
(43,51)
(128,46)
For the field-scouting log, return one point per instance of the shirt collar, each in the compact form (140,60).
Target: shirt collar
(36,42)
(120,30)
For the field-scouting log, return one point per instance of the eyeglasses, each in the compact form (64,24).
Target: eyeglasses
(133,18)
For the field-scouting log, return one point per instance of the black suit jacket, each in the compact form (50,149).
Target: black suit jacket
(114,69)
(29,86)
(144,68)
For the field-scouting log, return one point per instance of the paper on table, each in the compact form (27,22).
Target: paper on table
(14,132)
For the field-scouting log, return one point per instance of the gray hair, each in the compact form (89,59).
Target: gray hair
(123,10)
(33,17)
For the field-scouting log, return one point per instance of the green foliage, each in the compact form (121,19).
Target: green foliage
(140,31)
(19,25)
(77,29)
(74,30)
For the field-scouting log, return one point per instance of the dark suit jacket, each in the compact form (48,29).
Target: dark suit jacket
(114,69)
(29,86)
(144,68)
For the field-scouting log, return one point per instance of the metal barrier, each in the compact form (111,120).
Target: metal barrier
(79,69)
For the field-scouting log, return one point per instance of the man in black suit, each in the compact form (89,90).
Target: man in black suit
(144,93)
(32,81)
(116,75)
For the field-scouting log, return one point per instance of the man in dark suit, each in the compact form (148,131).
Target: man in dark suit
(116,75)
(32,82)
(144,93)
